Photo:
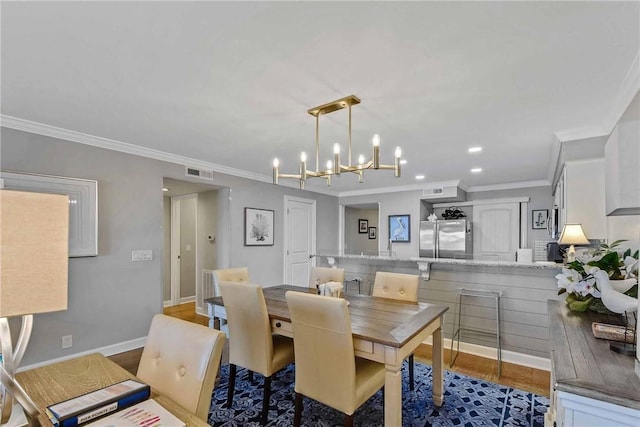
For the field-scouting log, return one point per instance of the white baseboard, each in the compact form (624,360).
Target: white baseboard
(507,356)
(109,350)
(184,300)
(478,350)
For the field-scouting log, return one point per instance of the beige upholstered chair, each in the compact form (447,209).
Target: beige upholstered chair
(326,367)
(187,377)
(325,274)
(403,287)
(235,275)
(251,344)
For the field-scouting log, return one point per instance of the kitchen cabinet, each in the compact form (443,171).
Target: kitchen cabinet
(622,162)
(580,197)
(496,229)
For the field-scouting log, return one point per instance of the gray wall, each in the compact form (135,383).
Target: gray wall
(408,202)
(354,241)
(396,203)
(208,225)
(111,298)
(188,221)
(166,249)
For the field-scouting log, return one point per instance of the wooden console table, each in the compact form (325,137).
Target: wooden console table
(590,384)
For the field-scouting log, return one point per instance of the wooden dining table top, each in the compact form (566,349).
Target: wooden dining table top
(380,320)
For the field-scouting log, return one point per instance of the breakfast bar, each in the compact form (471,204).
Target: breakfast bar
(525,287)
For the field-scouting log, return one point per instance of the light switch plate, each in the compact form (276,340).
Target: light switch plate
(142,255)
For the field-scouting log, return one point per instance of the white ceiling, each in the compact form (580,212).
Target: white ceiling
(228,84)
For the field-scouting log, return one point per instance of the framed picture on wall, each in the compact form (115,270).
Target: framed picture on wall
(258,227)
(372,233)
(539,218)
(400,228)
(363,226)
(83,205)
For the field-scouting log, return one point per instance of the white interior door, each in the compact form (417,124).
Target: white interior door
(300,239)
(496,231)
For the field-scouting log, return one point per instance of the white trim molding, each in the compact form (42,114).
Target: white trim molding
(491,353)
(109,350)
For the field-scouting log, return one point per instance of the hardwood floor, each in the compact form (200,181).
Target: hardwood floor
(524,378)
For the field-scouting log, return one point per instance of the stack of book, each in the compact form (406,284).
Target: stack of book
(98,403)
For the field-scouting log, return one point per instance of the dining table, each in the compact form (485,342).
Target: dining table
(384,330)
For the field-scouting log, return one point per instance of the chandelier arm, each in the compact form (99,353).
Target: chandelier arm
(349,159)
(318,143)
(337,168)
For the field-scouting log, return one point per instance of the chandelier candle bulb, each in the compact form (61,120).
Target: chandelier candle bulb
(336,159)
(360,159)
(376,151)
(276,164)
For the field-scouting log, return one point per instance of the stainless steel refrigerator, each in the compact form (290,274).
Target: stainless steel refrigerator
(447,238)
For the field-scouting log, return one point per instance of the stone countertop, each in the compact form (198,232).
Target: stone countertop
(449,261)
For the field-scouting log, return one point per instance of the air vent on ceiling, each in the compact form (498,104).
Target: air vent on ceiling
(444,193)
(199,173)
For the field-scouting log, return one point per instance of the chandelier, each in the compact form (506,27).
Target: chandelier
(335,167)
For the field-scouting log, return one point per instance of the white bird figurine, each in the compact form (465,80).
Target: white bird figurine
(612,299)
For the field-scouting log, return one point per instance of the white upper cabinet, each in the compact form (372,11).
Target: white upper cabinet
(583,197)
(496,229)
(622,169)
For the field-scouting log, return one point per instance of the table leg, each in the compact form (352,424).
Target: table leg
(437,357)
(393,396)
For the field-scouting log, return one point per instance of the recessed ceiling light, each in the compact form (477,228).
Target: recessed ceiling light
(419,176)
(403,161)
(476,170)
(165,189)
(474,149)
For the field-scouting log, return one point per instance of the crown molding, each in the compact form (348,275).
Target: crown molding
(580,133)
(628,89)
(123,147)
(509,186)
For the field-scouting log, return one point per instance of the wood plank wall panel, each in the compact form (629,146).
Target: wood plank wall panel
(523,305)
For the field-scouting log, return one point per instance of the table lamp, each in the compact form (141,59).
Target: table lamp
(572,234)
(34,247)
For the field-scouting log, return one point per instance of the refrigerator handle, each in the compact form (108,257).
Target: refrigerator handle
(436,243)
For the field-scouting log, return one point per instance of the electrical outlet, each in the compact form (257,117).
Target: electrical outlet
(67,341)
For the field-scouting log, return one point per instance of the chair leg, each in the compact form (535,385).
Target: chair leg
(297,416)
(411,383)
(265,400)
(232,384)
(348,420)
(250,376)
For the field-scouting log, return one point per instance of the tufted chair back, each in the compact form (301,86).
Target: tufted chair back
(326,367)
(235,275)
(180,360)
(321,275)
(397,286)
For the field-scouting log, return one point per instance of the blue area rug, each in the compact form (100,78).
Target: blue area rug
(468,402)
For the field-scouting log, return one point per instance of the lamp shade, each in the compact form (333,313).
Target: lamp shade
(34,248)
(572,234)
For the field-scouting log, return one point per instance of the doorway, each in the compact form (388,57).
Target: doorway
(196,224)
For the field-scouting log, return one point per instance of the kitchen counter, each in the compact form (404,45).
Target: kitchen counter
(424,264)
(525,288)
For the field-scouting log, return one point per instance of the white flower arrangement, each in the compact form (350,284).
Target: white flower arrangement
(579,282)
